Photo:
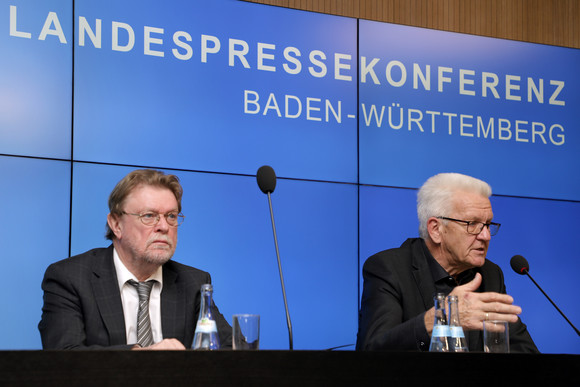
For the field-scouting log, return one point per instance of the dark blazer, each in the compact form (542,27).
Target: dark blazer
(399,288)
(83,310)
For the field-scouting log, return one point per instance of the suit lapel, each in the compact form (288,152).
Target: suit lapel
(108,297)
(422,274)
(173,302)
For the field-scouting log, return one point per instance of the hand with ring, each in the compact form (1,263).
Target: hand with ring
(476,307)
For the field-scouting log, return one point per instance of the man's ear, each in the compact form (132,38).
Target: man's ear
(114,224)
(434,228)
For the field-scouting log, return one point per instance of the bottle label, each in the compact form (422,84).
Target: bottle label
(441,331)
(457,332)
(205,325)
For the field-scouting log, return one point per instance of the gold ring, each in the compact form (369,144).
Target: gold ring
(486,316)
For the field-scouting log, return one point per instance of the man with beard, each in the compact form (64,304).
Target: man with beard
(91,300)
(450,257)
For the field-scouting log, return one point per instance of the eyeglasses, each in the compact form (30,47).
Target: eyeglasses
(172,218)
(474,227)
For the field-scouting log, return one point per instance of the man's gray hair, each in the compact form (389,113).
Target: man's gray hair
(436,195)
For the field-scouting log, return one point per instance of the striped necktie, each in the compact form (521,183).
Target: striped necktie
(144,334)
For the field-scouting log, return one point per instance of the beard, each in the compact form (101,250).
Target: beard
(158,257)
(154,254)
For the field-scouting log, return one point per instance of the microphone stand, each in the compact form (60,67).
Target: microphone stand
(281,277)
(549,299)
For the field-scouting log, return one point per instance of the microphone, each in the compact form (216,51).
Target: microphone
(266,178)
(521,266)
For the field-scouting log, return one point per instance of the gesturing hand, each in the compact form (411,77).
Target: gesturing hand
(476,307)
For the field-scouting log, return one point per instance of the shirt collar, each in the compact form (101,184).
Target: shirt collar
(437,271)
(440,274)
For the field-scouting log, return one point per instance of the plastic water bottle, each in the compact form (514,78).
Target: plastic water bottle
(206,334)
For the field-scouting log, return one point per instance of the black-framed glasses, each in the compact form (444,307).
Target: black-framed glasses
(474,227)
(173,218)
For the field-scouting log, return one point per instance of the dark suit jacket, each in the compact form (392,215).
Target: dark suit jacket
(399,288)
(83,310)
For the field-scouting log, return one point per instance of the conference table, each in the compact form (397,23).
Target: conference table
(283,368)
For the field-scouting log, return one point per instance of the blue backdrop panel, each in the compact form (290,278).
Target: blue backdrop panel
(388,216)
(204,107)
(537,229)
(35,208)
(228,232)
(35,78)
(503,111)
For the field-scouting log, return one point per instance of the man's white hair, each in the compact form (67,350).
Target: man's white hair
(435,196)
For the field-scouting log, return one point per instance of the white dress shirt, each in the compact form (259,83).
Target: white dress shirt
(130,300)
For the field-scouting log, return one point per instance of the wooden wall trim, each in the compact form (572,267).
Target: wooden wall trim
(553,22)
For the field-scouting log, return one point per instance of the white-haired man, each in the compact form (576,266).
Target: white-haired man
(455,228)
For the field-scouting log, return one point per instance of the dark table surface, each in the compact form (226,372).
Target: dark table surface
(284,368)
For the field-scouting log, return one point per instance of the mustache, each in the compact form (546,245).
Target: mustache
(159,238)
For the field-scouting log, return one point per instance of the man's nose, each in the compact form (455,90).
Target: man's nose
(484,234)
(162,225)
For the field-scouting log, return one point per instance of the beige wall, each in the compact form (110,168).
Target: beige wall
(555,22)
